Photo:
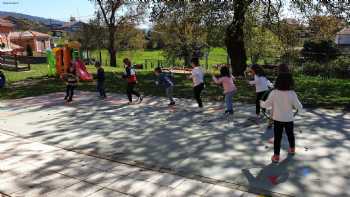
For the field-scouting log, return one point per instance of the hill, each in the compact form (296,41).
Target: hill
(37,19)
(22,24)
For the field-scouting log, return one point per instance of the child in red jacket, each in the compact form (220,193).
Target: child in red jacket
(130,76)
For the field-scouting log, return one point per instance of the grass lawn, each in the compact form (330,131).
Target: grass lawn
(313,91)
(216,56)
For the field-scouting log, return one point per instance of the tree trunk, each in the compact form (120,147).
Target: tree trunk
(112,49)
(235,39)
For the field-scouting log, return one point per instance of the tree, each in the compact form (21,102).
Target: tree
(322,51)
(324,27)
(115,13)
(232,15)
(180,29)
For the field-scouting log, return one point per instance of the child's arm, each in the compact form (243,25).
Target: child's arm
(296,103)
(268,103)
(216,80)
(254,82)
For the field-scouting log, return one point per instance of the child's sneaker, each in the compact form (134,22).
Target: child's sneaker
(66,97)
(140,99)
(275,158)
(172,103)
(291,151)
(228,112)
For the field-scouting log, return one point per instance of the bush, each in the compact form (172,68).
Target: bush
(320,51)
(338,68)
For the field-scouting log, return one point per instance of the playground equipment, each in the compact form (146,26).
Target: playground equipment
(60,58)
(2,79)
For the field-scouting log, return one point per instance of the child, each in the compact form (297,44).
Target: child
(261,84)
(71,79)
(2,79)
(166,82)
(282,100)
(100,80)
(226,79)
(130,76)
(197,77)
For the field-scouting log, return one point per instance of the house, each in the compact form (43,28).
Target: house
(6,45)
(39,42)
(73,25)
(343,37)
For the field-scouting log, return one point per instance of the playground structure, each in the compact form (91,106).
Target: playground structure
(59,60)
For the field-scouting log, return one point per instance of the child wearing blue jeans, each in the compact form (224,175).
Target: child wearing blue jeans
(165,81)
(226,79)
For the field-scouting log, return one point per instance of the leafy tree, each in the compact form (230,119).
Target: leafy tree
(325,27)
(180,28)
(321,51)
(232,15)
(116,13)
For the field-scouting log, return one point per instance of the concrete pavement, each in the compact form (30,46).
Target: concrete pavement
(200,145)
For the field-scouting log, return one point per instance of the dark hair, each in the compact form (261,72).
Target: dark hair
(225,72)
(259,71)
(284,82)
(97,64)
(283,68)
(195,61)
(127,61)
(158,69)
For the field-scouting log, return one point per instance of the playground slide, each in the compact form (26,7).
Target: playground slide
(51,63)
(82,71)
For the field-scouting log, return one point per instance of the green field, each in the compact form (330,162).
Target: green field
(313,91)
(216,56)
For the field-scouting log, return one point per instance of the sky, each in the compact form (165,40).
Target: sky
(54,9)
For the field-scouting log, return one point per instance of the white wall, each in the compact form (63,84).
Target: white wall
(342,39)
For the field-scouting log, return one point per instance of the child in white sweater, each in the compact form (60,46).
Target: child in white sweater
(261,84)
(282,100)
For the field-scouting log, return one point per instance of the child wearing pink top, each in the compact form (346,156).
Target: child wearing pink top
(226,79)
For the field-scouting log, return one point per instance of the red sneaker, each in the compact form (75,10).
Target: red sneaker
(275,158)
(291,151)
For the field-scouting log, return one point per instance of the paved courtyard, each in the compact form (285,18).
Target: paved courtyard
(199,146)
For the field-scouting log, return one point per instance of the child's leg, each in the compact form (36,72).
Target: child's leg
(257,102)
(98,87)
(71,92)
(278,131)
(129,91)
(290,134)
(133,91)
(228,101)
(67,92)
(197,94)
(169,93)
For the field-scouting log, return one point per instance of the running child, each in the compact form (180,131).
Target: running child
(226,79)
(165,81)
(282,100)
(71,79)
(130,76)
(100,86)
(197,77)
(261,84)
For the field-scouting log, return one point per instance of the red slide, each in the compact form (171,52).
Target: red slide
(82,71)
